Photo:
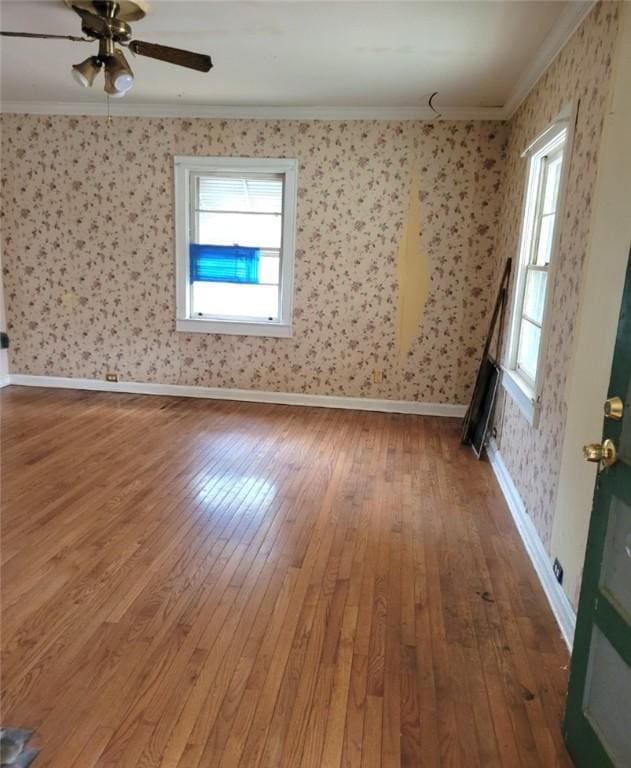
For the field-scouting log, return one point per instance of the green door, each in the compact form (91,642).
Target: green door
(598,717)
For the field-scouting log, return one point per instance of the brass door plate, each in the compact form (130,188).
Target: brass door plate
(614,408)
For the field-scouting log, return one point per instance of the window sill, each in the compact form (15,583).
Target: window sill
(235,328)
(522,395)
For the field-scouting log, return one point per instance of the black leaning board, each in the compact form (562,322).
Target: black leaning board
(478,403)
(480,408)
(481,417)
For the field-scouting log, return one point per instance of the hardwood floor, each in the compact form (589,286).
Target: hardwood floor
(198,583)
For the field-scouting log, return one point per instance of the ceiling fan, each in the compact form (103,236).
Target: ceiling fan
(107,21)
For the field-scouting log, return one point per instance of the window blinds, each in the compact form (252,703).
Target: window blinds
(243,195)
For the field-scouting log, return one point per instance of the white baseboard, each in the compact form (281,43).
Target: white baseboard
(247,395)
(559,602)
(5,381)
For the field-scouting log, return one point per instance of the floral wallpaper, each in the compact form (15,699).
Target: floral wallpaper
(582,71)
(88,249)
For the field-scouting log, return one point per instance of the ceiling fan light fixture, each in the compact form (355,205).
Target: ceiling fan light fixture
(106,22)
(85,72)
(113,93)
(118,75)
(124,82)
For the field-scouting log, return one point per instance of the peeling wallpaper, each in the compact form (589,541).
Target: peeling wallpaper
(413,274)
(88,247)
(581,71)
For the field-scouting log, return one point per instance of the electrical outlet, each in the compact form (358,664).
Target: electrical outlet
(111,377)
(558,570)
(377,375)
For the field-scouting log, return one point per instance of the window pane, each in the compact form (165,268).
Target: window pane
(535,295)
(269,267)
(544,246)
(607,698)
(551,192)
(528,350)
(235,300)
(255,230)
(615,576)
(217,193)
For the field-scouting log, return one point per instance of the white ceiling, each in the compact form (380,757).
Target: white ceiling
(302,54)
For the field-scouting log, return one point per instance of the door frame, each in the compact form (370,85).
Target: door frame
(604,270)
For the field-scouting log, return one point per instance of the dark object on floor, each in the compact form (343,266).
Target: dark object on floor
(526,693)
(13,749)
(488,379)
(480,411)
(4,340)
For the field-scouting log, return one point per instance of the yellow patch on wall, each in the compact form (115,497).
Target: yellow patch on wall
(413,274)
(69,299)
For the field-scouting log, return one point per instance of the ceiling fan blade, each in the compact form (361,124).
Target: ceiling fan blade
(199,61)
(48,37)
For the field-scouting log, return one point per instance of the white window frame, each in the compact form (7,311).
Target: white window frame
(526,393)
(184,167)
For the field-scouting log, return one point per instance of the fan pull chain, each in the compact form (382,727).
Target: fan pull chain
(109,116)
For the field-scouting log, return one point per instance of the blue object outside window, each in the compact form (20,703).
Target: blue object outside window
(224,263)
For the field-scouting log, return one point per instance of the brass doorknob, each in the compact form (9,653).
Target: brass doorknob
(614,408)
(605,453)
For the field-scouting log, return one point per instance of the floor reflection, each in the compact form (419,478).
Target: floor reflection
(235,489)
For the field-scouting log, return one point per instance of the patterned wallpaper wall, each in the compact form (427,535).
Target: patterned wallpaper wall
(582,71)
(87,227)
(87,237)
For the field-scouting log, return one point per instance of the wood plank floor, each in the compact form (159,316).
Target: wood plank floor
(194,583)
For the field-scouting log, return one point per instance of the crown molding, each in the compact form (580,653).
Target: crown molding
(130,109)
(565,26)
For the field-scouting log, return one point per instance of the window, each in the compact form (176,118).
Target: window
(235,230)
(546,167)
